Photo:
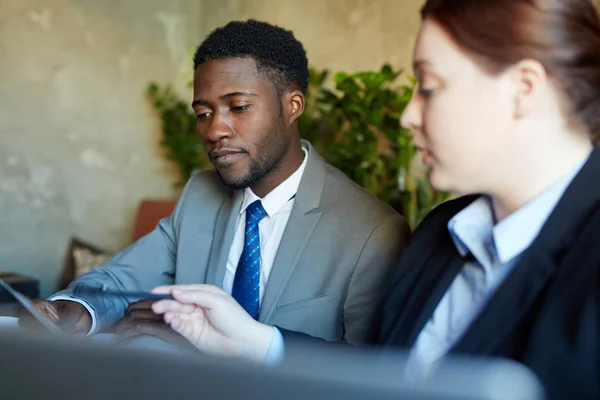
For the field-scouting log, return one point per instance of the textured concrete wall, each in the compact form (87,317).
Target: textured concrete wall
(78,140)
(343,35)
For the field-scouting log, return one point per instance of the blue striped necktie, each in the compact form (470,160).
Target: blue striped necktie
(246,284)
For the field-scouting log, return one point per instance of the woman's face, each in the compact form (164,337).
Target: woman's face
(460,115)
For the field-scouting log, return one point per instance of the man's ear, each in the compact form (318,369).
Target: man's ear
(293,105)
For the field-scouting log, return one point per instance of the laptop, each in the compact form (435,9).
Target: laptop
(65,368)
(26,303)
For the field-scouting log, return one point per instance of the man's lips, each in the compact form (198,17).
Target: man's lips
(215,155)
(226,157)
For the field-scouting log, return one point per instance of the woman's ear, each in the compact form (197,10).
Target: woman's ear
(529,79)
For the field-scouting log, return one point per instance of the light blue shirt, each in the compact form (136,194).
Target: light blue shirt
(496,248)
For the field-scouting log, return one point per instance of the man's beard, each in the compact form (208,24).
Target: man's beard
(269,155)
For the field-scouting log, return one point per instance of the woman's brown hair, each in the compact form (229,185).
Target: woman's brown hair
(563,35)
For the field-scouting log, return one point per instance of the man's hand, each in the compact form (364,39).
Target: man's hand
(214,322)
(70,316)
(140,320)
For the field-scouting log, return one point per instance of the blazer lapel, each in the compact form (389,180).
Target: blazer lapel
(440,284)
(508,306)
(303,219)
(423,295)
(222,239)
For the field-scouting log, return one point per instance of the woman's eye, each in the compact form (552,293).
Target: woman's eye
(425,92)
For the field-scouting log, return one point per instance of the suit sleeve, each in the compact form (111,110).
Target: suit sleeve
(147,263)
(378,257)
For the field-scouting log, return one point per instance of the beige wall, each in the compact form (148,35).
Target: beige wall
(78,140)
(343,35)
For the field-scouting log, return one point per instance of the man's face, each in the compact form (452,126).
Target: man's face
(240,120)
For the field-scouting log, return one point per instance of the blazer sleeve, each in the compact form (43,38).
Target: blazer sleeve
(145,264)
(377,259)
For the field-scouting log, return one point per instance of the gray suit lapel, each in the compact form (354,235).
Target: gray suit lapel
(303,219)
(223,237)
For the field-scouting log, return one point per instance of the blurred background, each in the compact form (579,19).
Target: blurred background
(95,117)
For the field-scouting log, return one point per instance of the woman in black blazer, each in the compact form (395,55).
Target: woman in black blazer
(507,112)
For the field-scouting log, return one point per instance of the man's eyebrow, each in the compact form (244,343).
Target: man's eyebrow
(200,102)
(242,93)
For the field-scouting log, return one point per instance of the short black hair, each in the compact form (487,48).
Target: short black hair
(276,51)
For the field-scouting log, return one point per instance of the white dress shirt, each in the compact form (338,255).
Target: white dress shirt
(278,204)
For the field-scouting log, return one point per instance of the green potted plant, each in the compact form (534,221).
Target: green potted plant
(356,127)
(179,136)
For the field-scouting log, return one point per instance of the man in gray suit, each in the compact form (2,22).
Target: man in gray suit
(295,242)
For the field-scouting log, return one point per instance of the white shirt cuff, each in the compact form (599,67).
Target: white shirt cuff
(84,303)
(276,349)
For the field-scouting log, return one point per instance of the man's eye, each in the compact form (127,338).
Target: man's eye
(201,116)
(243,108)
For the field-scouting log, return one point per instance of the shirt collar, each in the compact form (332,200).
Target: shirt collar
(278,197)
(470,226)
(473,228)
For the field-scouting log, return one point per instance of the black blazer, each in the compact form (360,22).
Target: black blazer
(546,314)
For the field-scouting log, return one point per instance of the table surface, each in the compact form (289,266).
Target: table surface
(9,309)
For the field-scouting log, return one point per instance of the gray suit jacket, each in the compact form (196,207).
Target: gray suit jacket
(327,278)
